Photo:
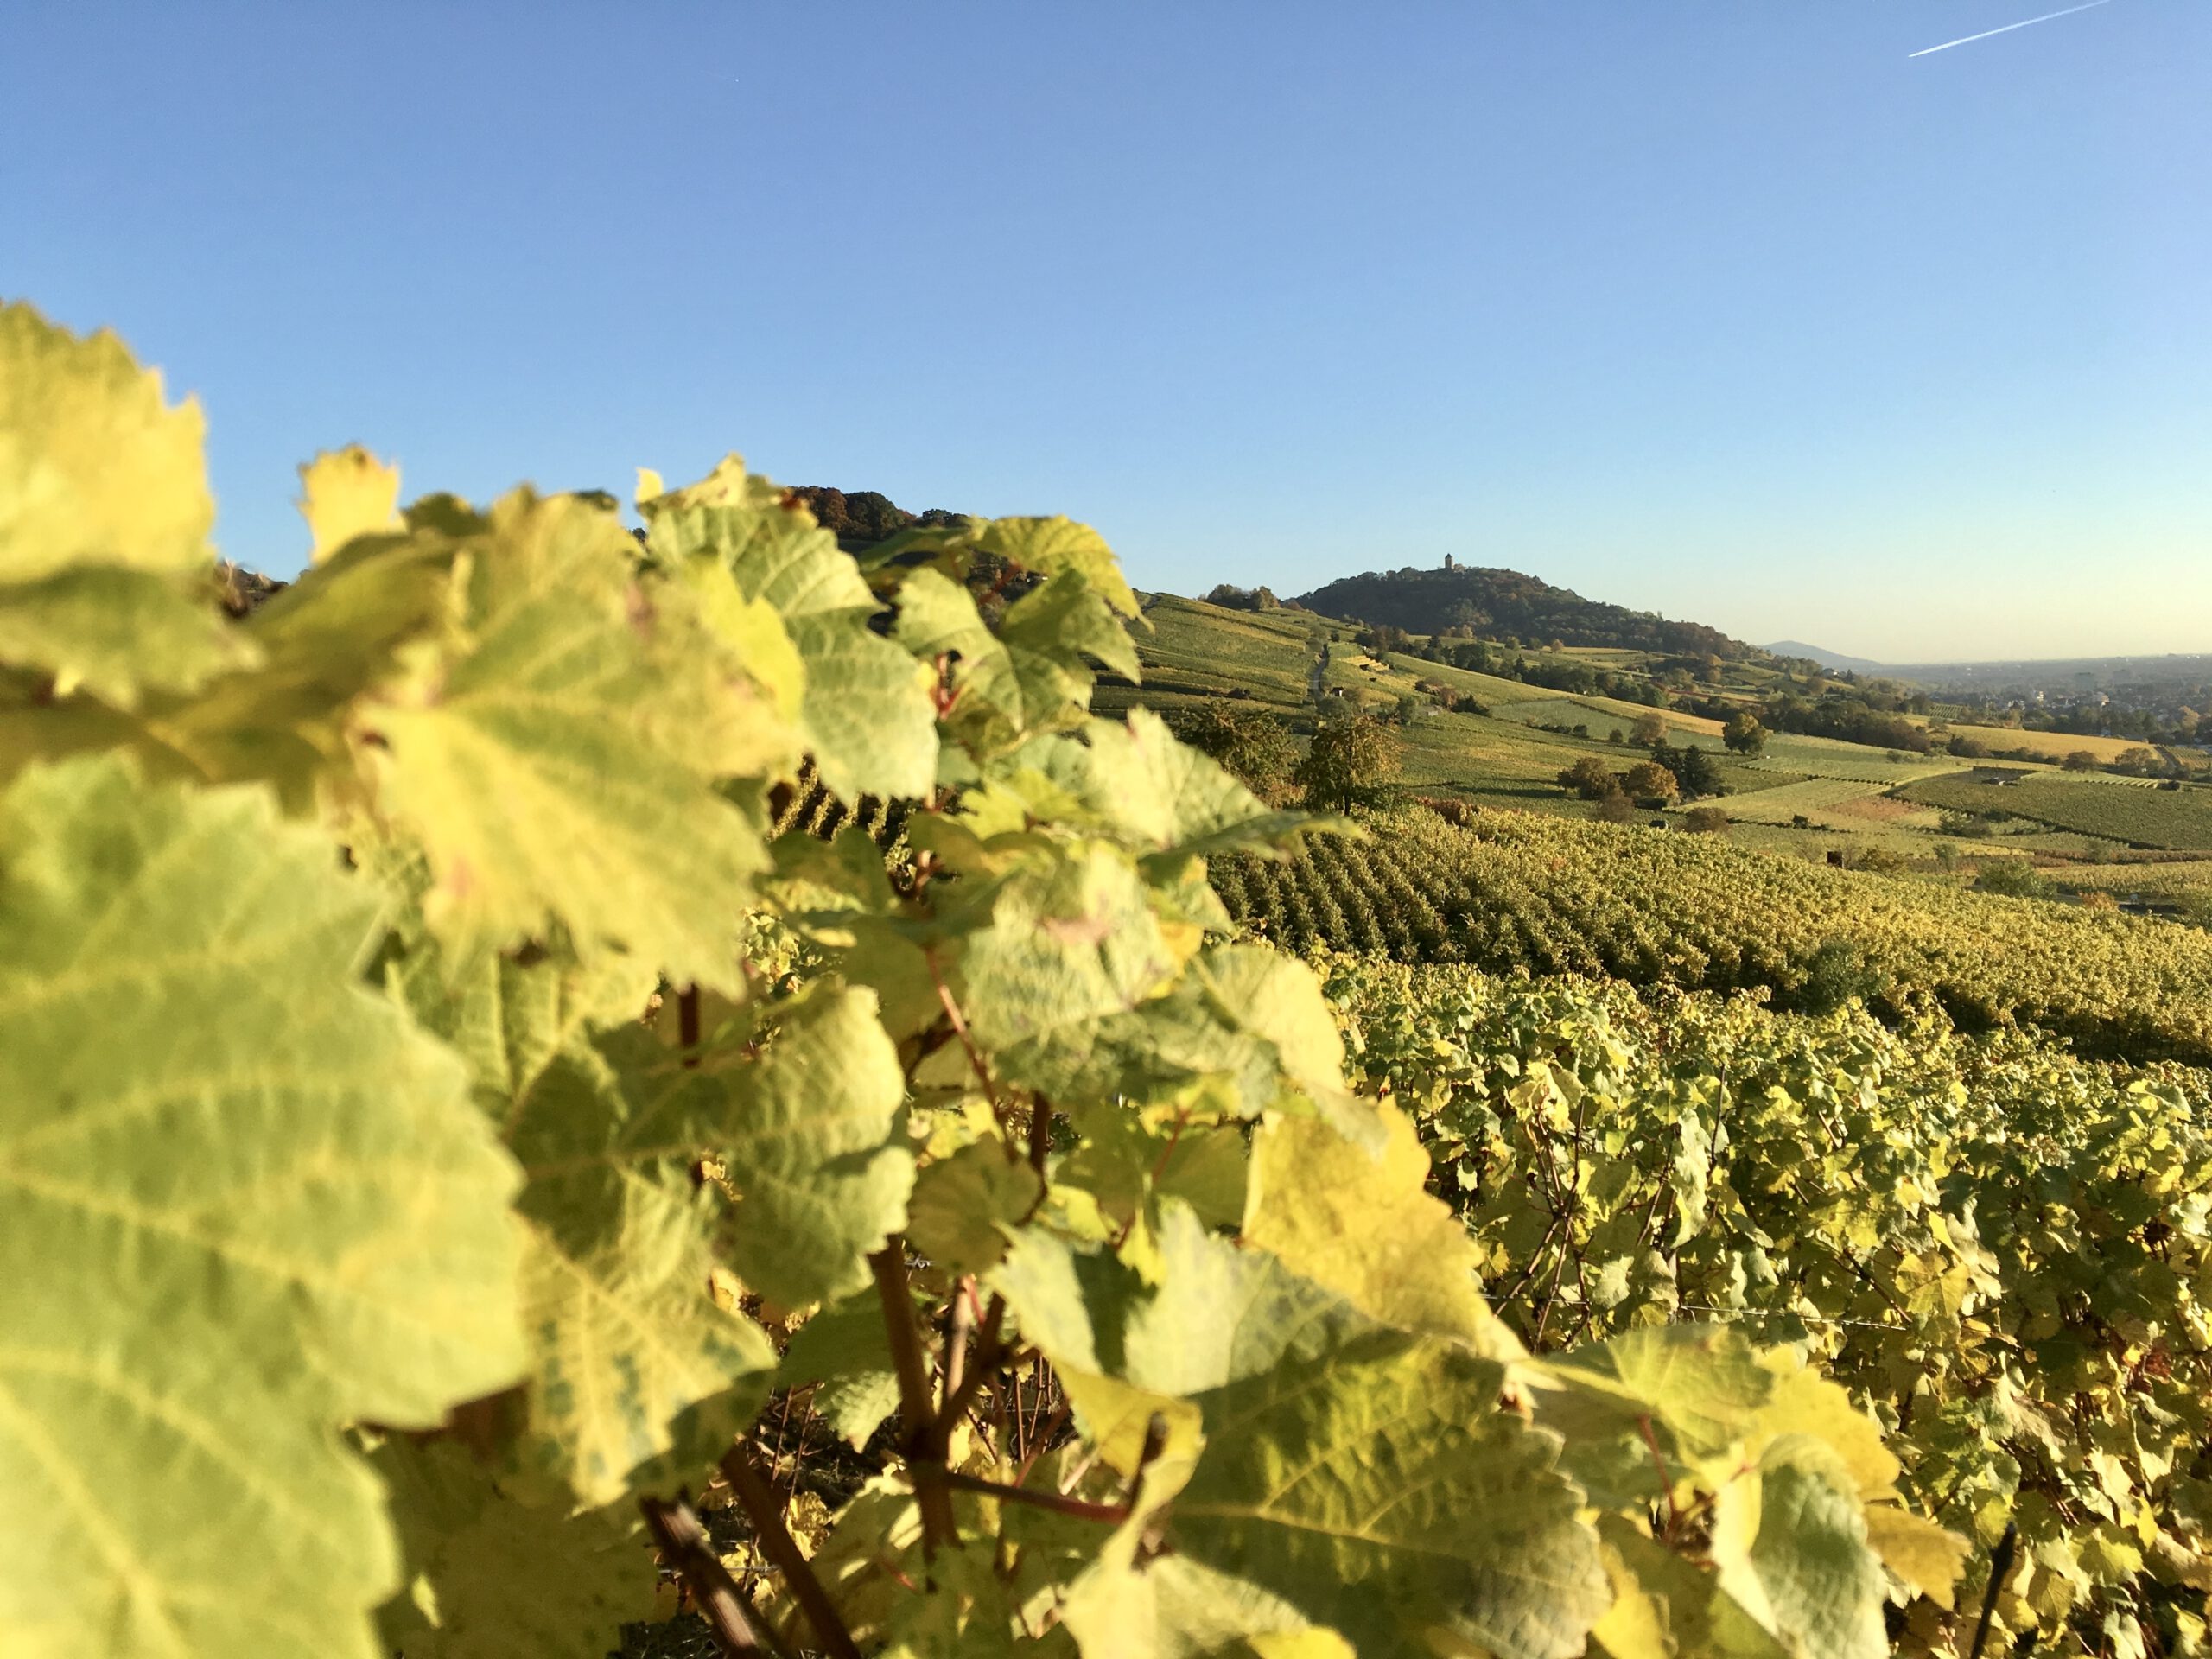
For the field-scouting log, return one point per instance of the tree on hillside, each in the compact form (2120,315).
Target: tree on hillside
(1745,734)
(1230,597)
(2140,762)
(1349,762)
(1649,783)
(1694,769)
(1254,746)
(1589,778)
(2082,760)
(2016,878)
(1649,730)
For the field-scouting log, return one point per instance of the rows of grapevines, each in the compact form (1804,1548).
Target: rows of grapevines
(2004,1250)
(438,1114)
(1551,895)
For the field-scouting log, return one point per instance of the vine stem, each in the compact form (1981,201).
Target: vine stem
(1666,1480)
(967,1041)
(970,1383)
(741,1469)
(687,1023)
(685,1546)
(924,1442)
(1155,1441)
(2000,1568)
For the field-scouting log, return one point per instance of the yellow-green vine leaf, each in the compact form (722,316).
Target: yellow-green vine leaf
(1665,1607)
(1789,1541)
(1367,1227)
(535,751)
(963,1203)
(811,1143)
(1072,940)
(1222,1313)
(343,494)
(246,1203)
(843,1351)
(1923,1555)
(1049,631)
(1049,546)
(1377,1488)
(489,1577)
(937,618)
(1169,799)
(636,1372)
(1697,1390)
(865,710)
(105,562)
(1174,1608)
(117,633)
(96,468)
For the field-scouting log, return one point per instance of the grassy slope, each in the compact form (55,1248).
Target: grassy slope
(2054,746)
(1849,795)
(1195,652)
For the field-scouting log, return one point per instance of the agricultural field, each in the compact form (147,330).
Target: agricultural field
(1832,804)
(1603,716)
(2135,813)
(1197,650)
(1828,757)
(2052,746)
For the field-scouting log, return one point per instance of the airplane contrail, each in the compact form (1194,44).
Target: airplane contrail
(1968,40)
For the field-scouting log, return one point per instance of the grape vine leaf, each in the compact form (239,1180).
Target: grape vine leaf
(1050,546)
(1696,1389)
(106,570)
(1072,940)
(1222,1313)
(343,494)
(637,1372)
(866,712)
(962,1201)
(254,1206)
(1789,1540)
(540,757)
(490,1577)
(937,618)
(1926,1556)
(1366,1226)
(1167,799)
(811,1142)
(843,1350)
(1377,1488)
(1666,1607)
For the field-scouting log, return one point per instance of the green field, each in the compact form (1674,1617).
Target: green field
(1828,757)
(1849,796)
(2138,814)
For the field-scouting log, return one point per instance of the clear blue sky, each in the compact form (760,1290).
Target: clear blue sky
(1725,309)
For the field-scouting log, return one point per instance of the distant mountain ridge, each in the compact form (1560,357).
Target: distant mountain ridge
(1830,660)
(1494,604)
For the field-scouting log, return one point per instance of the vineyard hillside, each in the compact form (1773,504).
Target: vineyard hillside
(1510,892)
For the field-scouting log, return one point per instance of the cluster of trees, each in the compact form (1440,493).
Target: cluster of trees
(1350,762)
(1851,719)
(1504,604)
(863,518)
(1230,597)
(1684,772)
